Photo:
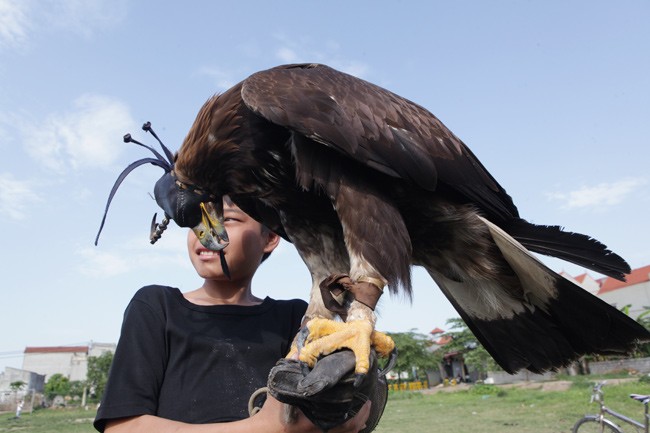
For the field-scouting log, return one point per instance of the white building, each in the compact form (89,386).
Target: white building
(32,383)
(70,361)
(585,281)
(635,291)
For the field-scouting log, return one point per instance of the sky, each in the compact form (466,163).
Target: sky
(552,96)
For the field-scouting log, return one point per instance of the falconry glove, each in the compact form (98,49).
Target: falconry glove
(327,394)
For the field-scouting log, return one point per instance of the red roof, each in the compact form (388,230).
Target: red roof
(437,331)
(637,276)
(56,349)
(580,278)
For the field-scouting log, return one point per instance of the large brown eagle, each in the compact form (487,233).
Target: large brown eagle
(366,184)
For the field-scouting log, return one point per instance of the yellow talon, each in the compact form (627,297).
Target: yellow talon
(382,343)
(327,336)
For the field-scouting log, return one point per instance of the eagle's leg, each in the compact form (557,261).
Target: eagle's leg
(375,238)
(316,310)
(322,249)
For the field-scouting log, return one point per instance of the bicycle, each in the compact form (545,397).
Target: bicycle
(598,423)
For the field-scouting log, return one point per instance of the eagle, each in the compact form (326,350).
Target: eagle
(367,184)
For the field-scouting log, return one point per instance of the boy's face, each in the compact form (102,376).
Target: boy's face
(248,241)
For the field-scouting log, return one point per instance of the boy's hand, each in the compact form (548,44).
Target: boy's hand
(330,393)
(272,417)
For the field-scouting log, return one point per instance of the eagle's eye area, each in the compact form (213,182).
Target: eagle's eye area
(182,202)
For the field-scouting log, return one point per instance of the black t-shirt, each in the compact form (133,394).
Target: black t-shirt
(194,363)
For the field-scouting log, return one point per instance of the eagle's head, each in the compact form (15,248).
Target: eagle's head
(189,206)
(183,202)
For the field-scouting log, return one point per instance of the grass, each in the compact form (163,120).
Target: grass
(504,410)
(74,420)
(481,408)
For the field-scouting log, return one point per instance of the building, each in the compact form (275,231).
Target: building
(634,292)
(585,281)
(32,383)
(70,361)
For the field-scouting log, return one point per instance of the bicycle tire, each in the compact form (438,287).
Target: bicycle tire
(593,424)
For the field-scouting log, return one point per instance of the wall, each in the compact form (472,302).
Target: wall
(501,377)
(641,365)
(8,398)
(72,365)
(635,365)
(638,295)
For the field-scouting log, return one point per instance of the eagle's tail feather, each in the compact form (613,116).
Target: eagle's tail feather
(539,340)
(576,248)
(542,321)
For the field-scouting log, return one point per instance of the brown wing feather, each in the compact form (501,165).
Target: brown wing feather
(374,127)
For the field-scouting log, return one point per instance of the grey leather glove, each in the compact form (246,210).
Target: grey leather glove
(327,394)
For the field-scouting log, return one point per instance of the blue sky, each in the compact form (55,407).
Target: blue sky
(552,96)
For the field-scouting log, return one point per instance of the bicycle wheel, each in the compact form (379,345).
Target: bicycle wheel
(592,424)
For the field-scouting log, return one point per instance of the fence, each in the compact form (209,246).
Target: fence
(408,386)
(641,365)
(638,365)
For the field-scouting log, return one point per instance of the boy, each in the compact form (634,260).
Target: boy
(190,361)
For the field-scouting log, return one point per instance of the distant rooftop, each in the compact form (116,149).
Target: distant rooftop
(56,349)
(637,276)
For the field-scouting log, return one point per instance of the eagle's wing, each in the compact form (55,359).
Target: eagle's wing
(552,322)
(374,127)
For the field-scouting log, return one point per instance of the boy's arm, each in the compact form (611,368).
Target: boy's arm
(269,419)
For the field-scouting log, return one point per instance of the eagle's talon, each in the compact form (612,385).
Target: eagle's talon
(326,336)
(358,379)
(304,368)
(302,338)
(383,344)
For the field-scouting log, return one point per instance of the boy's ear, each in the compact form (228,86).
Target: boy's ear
(272,241)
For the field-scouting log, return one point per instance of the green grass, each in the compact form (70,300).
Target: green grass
(504,410)
(482,409)
(49,421)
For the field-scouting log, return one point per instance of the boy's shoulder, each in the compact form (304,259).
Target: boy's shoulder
(293,304)
(155,292)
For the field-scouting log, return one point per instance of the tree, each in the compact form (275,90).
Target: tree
(98,368)
(464,341)
(17,385)
(58,384)
(413,353)
(77,388)
(643,350)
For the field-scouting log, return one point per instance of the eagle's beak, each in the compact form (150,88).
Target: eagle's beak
(210,231)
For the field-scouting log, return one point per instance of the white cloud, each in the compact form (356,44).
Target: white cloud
(285,50)
(18,18)
(287,55)
(15,196)
(357,69)
(13,22)
(223,79)
(87,136)
(297,51)
(85,16)
(135,254)
(599,196)
(98,263)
